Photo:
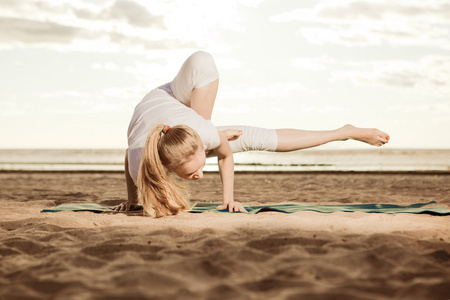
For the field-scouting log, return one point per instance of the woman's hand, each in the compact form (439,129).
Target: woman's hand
(233,206)
(232,134)
(125,206)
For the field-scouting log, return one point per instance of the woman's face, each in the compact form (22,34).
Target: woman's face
(192,169)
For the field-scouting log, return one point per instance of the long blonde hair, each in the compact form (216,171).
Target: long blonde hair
(159,193)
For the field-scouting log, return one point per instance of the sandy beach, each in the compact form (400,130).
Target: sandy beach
(305,255)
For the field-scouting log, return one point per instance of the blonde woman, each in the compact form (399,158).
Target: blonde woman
(171,133)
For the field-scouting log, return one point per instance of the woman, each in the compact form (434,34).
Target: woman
(171,132)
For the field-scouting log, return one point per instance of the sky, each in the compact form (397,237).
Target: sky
(73,71)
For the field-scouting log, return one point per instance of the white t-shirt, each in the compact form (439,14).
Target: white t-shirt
(170,105)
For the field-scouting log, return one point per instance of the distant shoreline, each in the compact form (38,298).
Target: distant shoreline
(308,160)
(322,172)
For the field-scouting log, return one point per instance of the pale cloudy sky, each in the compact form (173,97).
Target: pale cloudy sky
(72,71)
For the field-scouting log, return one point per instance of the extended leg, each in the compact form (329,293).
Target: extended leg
(282,140)
(296,139)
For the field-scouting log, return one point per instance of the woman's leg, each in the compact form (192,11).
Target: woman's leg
(282,140)
(202,99)
(252,138)
(295,139)
(196,83)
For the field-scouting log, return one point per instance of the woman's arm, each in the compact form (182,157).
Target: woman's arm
(131,189)
(226,170)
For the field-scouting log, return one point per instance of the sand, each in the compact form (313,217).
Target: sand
(305,255)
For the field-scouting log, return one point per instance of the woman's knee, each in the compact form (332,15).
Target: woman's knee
(200,59)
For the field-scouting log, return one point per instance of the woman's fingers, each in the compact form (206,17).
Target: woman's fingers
(125,206)
(240,207)
(233,207)
(232,134)
(221,207)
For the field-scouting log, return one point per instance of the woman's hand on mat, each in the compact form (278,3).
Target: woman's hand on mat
(232,206)
(125,206)
(232,134)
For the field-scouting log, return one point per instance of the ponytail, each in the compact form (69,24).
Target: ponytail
(159,193)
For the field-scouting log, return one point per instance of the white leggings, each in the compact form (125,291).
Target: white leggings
(197,71)
(253,138)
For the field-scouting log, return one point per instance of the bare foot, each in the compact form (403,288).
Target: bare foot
(371,136)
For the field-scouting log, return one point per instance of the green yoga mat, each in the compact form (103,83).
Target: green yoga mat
(417,208)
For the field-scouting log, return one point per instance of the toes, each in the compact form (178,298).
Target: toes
(381,142)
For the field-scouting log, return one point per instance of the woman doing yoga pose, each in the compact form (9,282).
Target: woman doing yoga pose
(171,132)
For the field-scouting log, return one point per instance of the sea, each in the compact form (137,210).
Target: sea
(358,160)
